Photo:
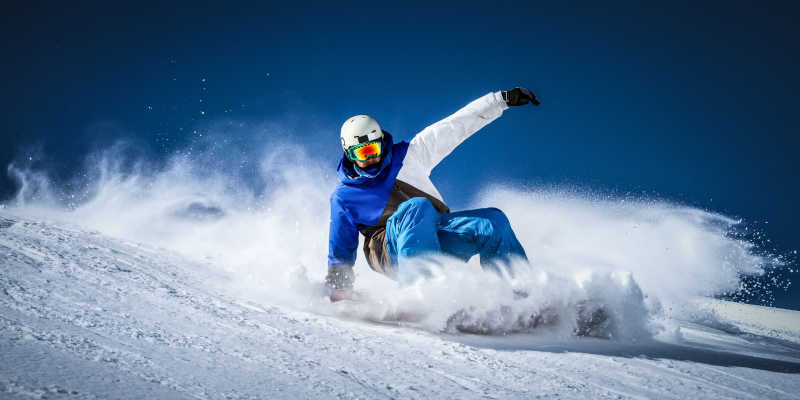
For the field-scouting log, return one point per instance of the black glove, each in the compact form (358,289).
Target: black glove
(340,283)
(519,97)
(340,278)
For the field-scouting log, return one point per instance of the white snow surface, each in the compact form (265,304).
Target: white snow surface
(84,315)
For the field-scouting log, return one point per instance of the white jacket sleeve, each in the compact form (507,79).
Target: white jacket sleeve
(434,143)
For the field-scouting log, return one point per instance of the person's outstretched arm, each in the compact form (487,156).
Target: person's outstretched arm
(342,249)
(431,145)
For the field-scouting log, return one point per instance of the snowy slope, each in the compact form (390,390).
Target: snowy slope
(84,316)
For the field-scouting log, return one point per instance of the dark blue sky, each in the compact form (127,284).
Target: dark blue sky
(691,103)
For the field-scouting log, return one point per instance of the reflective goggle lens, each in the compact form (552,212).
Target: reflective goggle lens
(365,151)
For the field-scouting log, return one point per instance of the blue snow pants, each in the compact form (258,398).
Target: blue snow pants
(416,230)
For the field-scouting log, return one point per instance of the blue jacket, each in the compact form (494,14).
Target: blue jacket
(358,201)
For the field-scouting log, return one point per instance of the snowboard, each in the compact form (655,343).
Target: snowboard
(592,319)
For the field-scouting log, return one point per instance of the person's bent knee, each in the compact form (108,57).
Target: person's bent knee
(413,209)
(418,203)
(496,215)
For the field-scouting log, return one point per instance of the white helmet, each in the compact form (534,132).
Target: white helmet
(360,129)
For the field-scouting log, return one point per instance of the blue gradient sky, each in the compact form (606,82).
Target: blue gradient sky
(692,103)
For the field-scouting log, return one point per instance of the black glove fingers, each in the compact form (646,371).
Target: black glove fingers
(534,100)
(531,96)
(520,96)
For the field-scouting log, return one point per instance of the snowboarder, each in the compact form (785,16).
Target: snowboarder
(386,194)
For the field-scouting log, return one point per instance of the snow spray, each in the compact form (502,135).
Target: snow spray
(642,260)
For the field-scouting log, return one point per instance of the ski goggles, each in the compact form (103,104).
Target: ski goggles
(364,151)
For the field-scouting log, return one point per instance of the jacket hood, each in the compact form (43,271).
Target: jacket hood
(350,174)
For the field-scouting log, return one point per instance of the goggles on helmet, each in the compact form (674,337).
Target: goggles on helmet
(365,151)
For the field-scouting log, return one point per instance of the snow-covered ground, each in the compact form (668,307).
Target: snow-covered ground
(86,315)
